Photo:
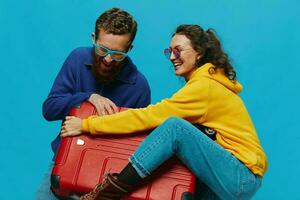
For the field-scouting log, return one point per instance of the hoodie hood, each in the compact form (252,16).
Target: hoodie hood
(208,70)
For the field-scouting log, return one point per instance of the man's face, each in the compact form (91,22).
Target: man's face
(106,68)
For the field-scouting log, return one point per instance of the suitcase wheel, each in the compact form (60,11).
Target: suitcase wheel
(187,196)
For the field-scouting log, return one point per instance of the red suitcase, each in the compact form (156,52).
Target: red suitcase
(83,161)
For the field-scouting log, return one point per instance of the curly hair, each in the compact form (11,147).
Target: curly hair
(208,45)
(118,22)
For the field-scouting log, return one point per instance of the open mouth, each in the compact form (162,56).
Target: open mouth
(106,66)
(177,65)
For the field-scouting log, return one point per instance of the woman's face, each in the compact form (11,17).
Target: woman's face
(183,56)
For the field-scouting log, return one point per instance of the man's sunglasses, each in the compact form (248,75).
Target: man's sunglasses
(103,51)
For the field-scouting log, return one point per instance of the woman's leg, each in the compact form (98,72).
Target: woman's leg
(213,165)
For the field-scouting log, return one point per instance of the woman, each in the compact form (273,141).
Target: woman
(231,167)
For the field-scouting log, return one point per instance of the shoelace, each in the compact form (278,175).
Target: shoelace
(91,194)
(95,191)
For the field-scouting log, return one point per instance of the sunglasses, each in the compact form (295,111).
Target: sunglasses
(176,52)
(115,55)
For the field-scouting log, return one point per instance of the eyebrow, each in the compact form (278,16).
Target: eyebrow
(176,46)
(179,46)
(123,51)
(182,45)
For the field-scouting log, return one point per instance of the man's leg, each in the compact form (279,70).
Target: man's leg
(44,192)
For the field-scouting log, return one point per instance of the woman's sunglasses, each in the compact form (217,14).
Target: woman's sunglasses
(176,52)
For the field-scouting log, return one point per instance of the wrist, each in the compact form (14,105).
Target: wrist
(91,97)
(85,125)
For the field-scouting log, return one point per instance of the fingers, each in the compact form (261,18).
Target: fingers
(103,105)
(108,109)
(65,133)
(100,109)
(69,117)
(114,108)
(71,126)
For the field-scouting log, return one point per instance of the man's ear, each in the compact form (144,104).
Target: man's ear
(93,38)
(131,47)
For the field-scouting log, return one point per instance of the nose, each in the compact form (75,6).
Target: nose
(108,58)
(172,56)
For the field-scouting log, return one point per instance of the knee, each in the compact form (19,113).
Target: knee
(174,121)
(179,123)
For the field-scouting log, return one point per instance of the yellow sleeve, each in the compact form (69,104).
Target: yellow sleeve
(189,103)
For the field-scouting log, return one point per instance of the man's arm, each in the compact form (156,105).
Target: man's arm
(145,93)
(63,95)
(145,99)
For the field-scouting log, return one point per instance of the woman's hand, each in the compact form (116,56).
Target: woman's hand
(71,127)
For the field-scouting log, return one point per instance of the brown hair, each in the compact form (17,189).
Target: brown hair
(208,45)
(116,21)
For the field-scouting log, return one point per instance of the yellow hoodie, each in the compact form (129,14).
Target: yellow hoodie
(207,98)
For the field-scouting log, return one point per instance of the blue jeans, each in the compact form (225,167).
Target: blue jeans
(44,192)
(220,174)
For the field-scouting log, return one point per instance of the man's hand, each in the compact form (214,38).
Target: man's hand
(71,127)
(103,105)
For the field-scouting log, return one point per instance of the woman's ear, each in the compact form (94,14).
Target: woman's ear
(199,57)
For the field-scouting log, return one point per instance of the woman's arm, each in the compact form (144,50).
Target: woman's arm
(190,103)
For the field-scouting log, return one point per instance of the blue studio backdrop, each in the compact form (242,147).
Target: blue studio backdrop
(260,36)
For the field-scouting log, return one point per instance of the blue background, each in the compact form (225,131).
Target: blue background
(261,37)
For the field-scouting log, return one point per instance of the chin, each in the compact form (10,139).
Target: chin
(178,73)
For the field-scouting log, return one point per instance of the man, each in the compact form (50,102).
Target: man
(103,75)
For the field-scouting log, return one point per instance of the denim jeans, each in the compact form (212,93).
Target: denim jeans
(44,192)
(220,174)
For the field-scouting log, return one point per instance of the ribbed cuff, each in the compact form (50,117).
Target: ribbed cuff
(85,125)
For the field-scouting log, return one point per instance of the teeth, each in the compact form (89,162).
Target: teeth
(177,65)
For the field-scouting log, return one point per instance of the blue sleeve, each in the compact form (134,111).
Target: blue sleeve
(145,97)
(63,94)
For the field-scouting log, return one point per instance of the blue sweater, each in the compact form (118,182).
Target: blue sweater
(75,83)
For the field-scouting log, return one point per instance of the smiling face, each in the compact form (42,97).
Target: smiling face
(184,62)
(104,67)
